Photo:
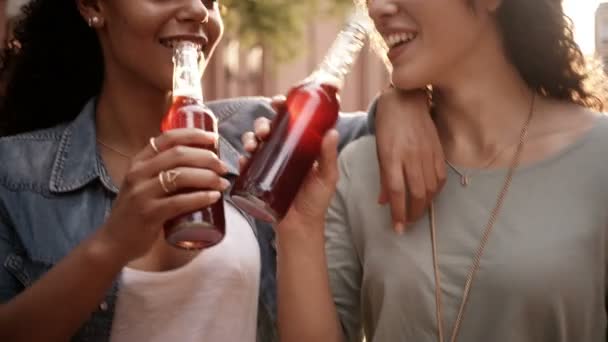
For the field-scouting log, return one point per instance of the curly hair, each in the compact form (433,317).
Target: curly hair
(539,41)
(55,67)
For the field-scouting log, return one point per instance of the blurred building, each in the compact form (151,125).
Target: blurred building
(601,33)
(238,72)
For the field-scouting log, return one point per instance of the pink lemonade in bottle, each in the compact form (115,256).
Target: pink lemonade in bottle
(269,183)
(205,227)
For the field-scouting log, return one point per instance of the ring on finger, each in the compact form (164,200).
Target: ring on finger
(172,179)
(168,180)
(153,145)
(161,180)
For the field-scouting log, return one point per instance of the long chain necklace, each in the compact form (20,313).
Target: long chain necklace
(484,239)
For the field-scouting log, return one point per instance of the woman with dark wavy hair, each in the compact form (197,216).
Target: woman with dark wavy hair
(82,192)
(515,246)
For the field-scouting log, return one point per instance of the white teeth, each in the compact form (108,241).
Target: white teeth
(170,43)
(397,38)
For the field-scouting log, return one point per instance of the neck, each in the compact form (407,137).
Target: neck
(129,113)
(482,107)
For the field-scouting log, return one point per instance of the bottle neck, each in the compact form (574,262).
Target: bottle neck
(186,71)
(343,53)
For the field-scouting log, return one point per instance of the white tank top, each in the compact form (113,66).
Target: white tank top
(212,298)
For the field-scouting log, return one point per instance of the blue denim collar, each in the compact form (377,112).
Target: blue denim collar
(77,161)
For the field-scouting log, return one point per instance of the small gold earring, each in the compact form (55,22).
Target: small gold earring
(93,21)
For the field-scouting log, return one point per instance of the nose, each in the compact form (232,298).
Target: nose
(381,10)
(194,11)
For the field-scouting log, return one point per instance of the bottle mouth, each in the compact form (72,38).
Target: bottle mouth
(187,49)
(187,69)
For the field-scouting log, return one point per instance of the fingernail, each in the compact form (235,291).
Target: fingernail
(215,195)
(399,228)
(265,127)
(225,184)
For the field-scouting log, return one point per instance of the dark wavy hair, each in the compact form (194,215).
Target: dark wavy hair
(51,71)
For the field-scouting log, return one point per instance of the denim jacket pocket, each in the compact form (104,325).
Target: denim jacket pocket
(25,270)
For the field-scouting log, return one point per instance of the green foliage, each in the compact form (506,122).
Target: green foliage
(277,24)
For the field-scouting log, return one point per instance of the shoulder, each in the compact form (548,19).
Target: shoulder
(236,116)
(595,145)
(27,159)
(254,106)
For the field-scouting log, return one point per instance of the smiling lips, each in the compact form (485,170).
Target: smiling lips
(396,39)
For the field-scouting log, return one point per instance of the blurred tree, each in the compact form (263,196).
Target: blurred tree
(276,24)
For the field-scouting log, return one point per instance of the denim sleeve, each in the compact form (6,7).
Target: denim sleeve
(345,271)
(371,116)
(9,259)
(351,126)
(355,125)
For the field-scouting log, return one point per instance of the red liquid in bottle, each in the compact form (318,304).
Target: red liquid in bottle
(267,186)
(205,227)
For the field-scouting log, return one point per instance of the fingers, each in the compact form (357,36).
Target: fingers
(328,161)
(417,191)
(278,103)
(383,196)
(260,132)
(394,180)
(261,127)
(438,156)
(185,203)
(176,137)
(243,162)
(430,178)
(440,172)
(178,156)
(250,143)
(184,179)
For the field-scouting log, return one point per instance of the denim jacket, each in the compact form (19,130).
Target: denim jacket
(55,192)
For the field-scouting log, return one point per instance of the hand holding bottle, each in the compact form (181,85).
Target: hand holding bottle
(145,202)
(268,185)
(313,198)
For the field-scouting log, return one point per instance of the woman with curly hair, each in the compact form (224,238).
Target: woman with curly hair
(82,199)
(515,247)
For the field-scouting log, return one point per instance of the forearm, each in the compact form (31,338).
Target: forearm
(305,304)
(62,300)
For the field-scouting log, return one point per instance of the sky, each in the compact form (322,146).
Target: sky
(582,13)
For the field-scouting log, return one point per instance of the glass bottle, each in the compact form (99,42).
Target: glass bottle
(205,227)
(268,184)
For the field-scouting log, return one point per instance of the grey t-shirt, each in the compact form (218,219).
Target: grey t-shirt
(542,277)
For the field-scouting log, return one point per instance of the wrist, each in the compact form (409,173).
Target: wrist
(294,232)
(104,253)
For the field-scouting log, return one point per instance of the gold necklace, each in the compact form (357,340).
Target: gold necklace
(482,244)
(114,150)
(465,175)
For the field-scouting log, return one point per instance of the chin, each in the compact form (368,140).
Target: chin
(407,82)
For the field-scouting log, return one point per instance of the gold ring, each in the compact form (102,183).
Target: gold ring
(172,178)
(153,144)
(161,180)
